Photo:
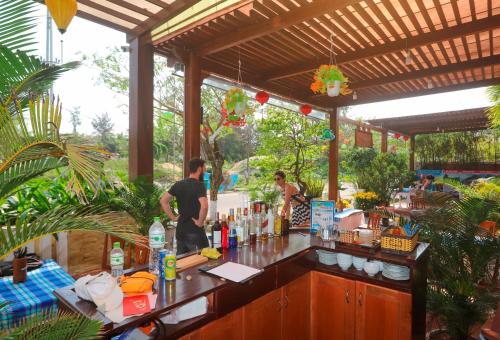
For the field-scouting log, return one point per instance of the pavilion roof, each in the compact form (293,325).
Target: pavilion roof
(450,121)
(453,44)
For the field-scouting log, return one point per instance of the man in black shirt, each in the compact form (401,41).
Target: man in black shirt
(192,203)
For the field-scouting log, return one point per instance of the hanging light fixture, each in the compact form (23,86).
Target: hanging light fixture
(430,85)
(408,59)
(354,95)
(62,11)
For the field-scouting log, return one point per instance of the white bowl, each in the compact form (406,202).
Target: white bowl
(344,261)
(371,268)
(358,262)
(380,264)
(327,257)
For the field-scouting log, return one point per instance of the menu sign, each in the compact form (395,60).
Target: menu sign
(363,139)
(322,212)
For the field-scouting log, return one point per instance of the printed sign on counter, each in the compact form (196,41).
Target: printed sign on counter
(321,212)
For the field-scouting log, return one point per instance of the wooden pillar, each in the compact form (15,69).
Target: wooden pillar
(333,158)
(192,109)
(383,145)
(412,153)
(140,161)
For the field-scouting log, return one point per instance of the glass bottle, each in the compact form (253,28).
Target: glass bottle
(258,223)
(277,224)
(217,233)
(225,233)
(239,227)
(246,227)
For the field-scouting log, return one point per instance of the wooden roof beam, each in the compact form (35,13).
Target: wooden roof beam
(432,71)
(395,46)
(253,31)
(167,13)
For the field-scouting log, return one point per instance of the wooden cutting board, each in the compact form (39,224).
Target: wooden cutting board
(190,261)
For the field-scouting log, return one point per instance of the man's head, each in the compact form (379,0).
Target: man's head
(197,167)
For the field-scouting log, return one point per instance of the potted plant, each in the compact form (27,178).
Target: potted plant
(20,265)
(236,103)
(314,187)
(365,201)
(330,80)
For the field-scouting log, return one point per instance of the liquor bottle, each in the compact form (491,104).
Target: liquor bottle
(233,238)
(270,222)
(217,233)
(246,227)
(225,233)
(239,228)
(264,221)
(257,222)
(277,225)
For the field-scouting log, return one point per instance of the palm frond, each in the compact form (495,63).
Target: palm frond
(49,324)
(29,147)
(17,24)
(493,93)
(22,75)
(67,218)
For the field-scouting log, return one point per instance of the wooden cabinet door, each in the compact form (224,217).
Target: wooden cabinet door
(229,327)
(296,311)
(332,307)
(382,313)
(262,317)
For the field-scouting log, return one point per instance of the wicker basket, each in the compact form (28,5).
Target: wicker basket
(398,244)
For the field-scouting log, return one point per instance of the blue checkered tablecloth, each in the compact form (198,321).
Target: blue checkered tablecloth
(35,294)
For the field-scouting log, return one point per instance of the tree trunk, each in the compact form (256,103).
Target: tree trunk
(216,160)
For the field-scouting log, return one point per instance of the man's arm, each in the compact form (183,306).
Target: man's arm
(165,204)
(203,212)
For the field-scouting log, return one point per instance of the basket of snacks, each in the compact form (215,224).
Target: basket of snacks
(400,240)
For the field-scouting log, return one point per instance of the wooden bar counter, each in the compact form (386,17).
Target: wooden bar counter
(295,297)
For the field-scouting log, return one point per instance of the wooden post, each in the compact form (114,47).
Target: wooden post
(141,108)
(383,145)
(333,158)
(412,153)
(192,109)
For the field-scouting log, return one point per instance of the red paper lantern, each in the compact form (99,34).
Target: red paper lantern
(262,97)
(397,135)
(406,138)
(306,109)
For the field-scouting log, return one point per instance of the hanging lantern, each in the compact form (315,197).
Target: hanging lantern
(397,135)
(406,138)
(346,141)
(262,97)
(328,135)
(305,109)
(62,11)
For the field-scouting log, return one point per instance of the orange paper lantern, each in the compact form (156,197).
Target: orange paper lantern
(62,11)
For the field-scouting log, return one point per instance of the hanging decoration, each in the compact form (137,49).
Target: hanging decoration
(394,149)
(62,11)
(329,78)
(346,141)
(235,104)
(327,135)
(406,138)
(306,109)
(397,135)
(363,137)
(262,97)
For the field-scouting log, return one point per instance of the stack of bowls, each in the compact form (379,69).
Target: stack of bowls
(395,272)
(371,268)
(358,262)
(344,261)
(380,264)
(327,257)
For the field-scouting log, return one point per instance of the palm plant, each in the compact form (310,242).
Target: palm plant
(493,93)
(462,264)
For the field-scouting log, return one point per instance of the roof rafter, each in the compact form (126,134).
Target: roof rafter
(395,46)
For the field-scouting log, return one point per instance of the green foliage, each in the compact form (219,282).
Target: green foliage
(17,24)
(52,325)
(493,93)
(357,161)
(141,200)
(315,187)
(461,281)
(365,200)
(290,142)
(268,193)
(470,147)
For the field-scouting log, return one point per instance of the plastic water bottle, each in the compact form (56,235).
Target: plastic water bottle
(116,260)
(156,243)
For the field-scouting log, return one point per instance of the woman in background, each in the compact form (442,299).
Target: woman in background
(301,210)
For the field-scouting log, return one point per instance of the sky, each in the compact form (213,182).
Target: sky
(80,88)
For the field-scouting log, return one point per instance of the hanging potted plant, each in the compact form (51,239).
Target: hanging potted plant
(330,80)
(236,101)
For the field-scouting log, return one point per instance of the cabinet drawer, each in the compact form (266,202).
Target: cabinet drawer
(294,268)
(237,295)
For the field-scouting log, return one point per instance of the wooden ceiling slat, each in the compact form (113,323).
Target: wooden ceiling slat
(132,7)
(385,22)
(348,21)
(411,16)
(440,12)
(339,38)
(82,13)
(159,3)
(111,12)
(396,16)
(304,50)
(425,15)
(308,36)
(371,22)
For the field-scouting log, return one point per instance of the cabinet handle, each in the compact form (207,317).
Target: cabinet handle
(280,306)
(346,295)
(286,301)
(360,299)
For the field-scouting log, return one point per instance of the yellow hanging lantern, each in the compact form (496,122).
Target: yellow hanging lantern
(62,11)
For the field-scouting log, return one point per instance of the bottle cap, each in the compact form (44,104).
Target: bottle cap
(156,219)
(116,245)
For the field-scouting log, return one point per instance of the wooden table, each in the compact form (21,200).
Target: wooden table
(284,260)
